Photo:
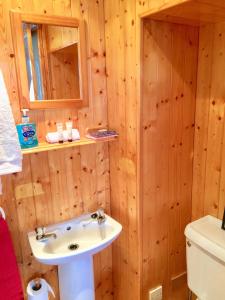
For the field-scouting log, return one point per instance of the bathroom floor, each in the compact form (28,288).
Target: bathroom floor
(180,289)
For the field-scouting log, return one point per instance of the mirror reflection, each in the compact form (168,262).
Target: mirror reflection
(52,61)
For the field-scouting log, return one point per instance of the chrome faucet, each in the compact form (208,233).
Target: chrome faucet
(101,216)
(41,234)
(98,216)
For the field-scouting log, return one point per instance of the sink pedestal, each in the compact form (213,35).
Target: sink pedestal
(76,279)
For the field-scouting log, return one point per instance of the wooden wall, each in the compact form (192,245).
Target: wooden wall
(59,37)
(61,184)
(57,185)
(170,53)
(63,66)
(209,155)
(122,35)
(62,62)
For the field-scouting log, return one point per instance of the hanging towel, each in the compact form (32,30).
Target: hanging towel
(10,151)
(10,283)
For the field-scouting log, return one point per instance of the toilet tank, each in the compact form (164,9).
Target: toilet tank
(205,252)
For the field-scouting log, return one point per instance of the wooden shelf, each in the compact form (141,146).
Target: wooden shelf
(67,48)
(42,147)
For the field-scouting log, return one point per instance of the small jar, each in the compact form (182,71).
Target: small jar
(59,127)
(69,127)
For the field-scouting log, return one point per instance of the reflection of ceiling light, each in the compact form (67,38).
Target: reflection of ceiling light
(34,27)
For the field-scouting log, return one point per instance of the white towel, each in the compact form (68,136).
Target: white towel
(53,137)
(10,151)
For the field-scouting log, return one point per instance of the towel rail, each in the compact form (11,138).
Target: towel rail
(2,213)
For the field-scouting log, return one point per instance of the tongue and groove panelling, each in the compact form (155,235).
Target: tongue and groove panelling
(138,262)
(60,184)
(209,154)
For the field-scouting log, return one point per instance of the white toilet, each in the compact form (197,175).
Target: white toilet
(205,250)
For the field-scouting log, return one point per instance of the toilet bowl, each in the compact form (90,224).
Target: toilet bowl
(205,253)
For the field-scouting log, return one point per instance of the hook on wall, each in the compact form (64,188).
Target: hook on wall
(2,213)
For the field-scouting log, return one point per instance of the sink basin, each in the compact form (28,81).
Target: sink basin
(87,236)
(77,240)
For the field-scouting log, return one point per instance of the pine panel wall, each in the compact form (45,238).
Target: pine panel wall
(170,53)
(122,115)
(209,155)
(60,184)
(131,272)
(148,189)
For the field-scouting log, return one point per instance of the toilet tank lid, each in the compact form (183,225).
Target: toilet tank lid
(207,234)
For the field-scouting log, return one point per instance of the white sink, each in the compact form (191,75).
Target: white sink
(72,249)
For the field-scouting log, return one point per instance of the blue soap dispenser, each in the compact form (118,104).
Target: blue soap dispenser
(27,132)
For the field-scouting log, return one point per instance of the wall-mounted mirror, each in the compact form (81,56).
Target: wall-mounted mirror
(51,61)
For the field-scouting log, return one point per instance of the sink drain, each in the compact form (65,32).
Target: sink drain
(73,247)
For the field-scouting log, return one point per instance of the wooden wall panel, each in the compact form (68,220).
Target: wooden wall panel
(209,156)
(122,113)
(202,118)
(87,168)
(61,184)
(123,36)
(60,37)
(168,110)
(63,66)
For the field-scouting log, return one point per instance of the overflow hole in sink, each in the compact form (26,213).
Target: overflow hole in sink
(68,228)
(73,247)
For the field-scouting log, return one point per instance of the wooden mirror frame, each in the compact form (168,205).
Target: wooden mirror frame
(17,18)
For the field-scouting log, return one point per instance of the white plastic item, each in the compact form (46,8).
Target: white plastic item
(156,293)
(25,117)
(59,127)
(69,127)
(40,294)
(205,252)
(53,137)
